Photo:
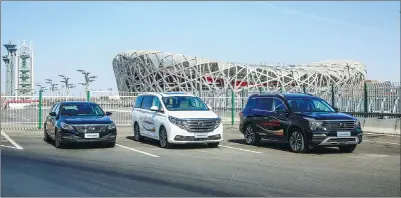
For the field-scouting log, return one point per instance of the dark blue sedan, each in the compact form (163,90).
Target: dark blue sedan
(79,122)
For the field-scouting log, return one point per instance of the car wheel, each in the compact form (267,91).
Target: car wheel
(250,135)
(57,140)
(347,149)
(137,134)
(163,138)
(46,136)
(297,142)
(214,144)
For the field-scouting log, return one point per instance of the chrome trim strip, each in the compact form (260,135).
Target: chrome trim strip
(325,141)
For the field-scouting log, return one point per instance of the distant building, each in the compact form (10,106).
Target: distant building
(155,71)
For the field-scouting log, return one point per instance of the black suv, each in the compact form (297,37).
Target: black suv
(304,121)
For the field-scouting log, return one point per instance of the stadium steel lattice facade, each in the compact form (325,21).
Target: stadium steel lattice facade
(154,71)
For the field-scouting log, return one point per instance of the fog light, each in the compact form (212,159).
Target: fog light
(179,137)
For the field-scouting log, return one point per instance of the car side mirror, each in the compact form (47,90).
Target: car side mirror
(208,106)
(108,113)
(52,114)
(336,109)
(154,108)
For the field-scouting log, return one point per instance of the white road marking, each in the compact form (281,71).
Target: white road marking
(11,141)
(9,146)
(137,150)
(240,149)
(381,142)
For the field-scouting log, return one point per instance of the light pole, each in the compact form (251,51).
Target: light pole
(53,86)
(88,79)
(67,85)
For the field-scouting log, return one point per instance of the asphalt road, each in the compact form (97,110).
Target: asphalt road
(234,169)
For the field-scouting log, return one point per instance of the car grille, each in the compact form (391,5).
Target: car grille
(339,125)
(90,128)
(200,126)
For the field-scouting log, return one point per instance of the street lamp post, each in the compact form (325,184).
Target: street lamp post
(53,86)
(67,85)
(88,79)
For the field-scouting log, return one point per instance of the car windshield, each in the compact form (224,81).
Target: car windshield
(83,109)
(309,105)
(184,103)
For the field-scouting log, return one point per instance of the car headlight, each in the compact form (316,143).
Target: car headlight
(66,126)
(314,124)
(112,126)
(218,122)
(177,121)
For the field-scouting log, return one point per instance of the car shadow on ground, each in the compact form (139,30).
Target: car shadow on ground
(176,146)
(283,146)
(81,145)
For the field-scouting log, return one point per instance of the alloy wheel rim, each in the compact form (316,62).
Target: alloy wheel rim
(296,141)
(136,132)
(163,138)
(249,135)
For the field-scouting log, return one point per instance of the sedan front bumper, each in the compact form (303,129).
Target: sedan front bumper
(71,137)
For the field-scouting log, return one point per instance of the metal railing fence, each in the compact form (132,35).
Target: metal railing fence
(375,100)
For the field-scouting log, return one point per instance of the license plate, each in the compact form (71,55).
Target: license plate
(91,135)
(343,133)
(200,135)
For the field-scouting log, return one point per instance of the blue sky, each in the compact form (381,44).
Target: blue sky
(87,35)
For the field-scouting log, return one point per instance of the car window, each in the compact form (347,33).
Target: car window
(138,101)
(57,109)
(81,109)
(147,102)
(156,102)
(184,103)
(53,109)
(279,105)
(265,104)
(320,106)
(309,105)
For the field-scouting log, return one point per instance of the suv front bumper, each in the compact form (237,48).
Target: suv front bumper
(331,139)
(177,135)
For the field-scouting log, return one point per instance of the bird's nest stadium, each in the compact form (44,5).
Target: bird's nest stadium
(155,71)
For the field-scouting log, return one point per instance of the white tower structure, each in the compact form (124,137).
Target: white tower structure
(19,69)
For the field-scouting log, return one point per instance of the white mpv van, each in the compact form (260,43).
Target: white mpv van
(175,118)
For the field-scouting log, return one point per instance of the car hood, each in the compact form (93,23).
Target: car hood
(193,114)
(327,116)
(86,120)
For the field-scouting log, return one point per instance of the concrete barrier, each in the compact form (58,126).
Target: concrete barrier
(385,126)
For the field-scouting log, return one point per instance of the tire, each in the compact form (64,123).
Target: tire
(46,136)
(250,135)
(347,149)
(213,145)
(163,138)
(297,141)
(57,142)
(137,134)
